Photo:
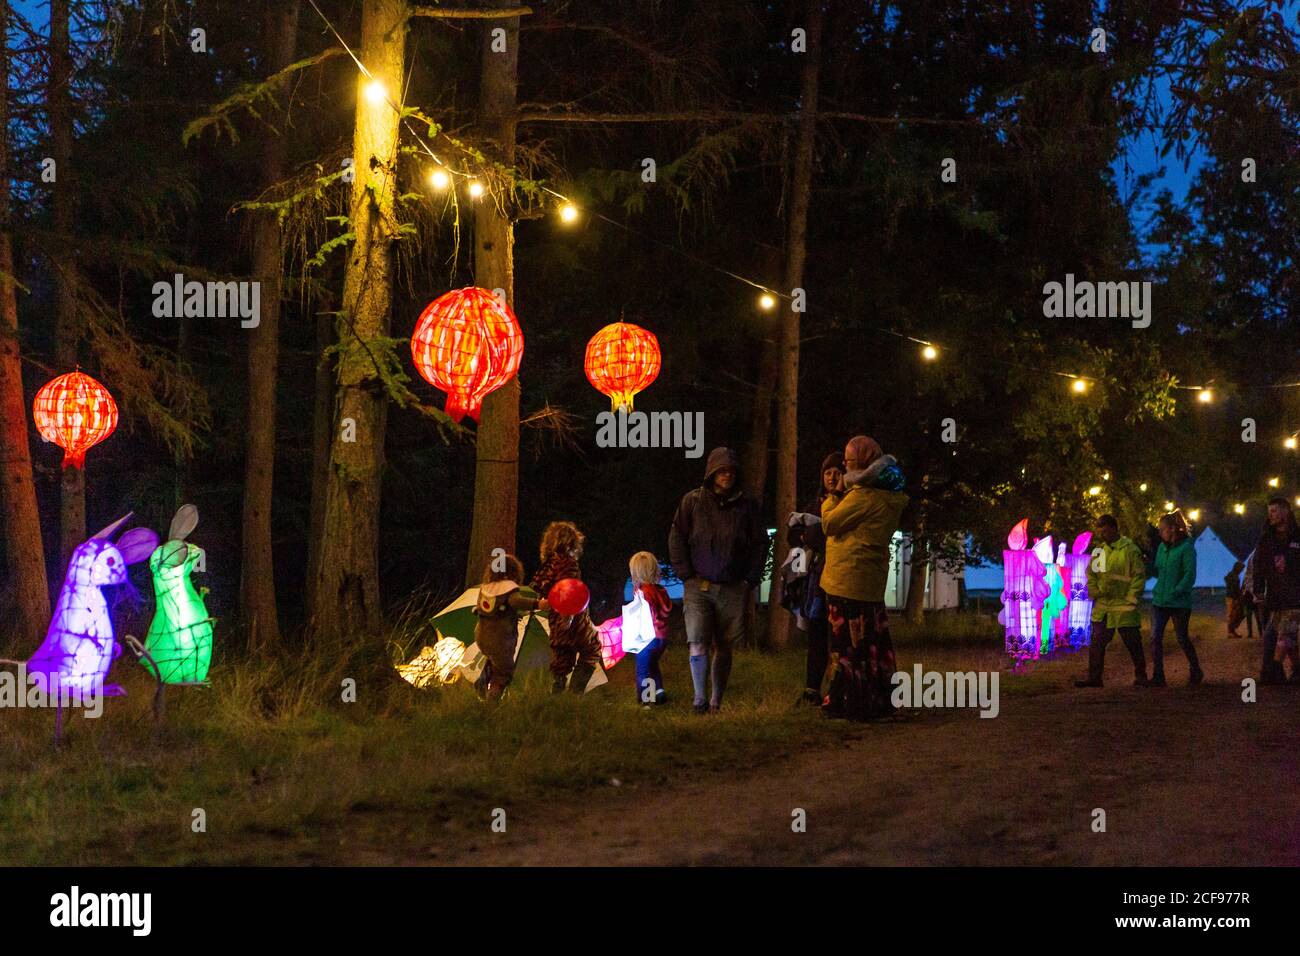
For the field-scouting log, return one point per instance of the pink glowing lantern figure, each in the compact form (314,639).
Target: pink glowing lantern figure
(1055,603)
(611,641)
(1079,613)
(79,647)
(1023,593)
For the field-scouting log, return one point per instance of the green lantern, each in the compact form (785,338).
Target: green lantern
(180,638)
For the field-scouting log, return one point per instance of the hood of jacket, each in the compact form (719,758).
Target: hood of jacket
(718,459)
(886,466)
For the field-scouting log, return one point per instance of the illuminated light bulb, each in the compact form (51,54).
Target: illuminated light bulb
(1194,514)
(439,179)
(1080,386)
(930,353)
(1095,490)
(1297,501)
(1274,482)
(1142,487)
(1289,443)
(1239,508)
(376,93)
(766,301)
(1205,396)
(1105,476)
(1169,506)
(475,190)
(568,212)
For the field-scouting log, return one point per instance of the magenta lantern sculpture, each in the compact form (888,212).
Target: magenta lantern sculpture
(1023,593)
(1079,612)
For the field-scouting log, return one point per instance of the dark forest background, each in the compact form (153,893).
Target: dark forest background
(1037,121)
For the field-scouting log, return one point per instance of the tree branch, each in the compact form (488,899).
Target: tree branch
(461,13)
(684,116)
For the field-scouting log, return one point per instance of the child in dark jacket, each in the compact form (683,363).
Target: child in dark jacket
(575,643)
(644,568)
(500,603)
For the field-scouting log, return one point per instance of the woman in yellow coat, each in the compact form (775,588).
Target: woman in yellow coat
(859,519)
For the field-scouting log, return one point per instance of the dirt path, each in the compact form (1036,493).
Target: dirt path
(1185,775)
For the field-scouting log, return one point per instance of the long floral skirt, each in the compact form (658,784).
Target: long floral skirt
(863,654)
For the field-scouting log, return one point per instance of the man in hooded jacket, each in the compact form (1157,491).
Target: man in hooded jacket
(718,547)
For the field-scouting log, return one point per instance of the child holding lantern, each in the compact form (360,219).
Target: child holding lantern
(575,644)
(644,568)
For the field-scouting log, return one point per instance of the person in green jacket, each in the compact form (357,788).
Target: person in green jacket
(1172,598)
(1116,577)
(859,519)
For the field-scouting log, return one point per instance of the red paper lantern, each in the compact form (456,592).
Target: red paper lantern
(76,413)
(569,596)
(621,360)
(468,344)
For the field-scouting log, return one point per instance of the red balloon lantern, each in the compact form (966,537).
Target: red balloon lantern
(569,596)
(468,344)
(622,359)
(76,413)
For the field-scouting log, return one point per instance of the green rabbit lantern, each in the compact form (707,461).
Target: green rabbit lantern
(180,637)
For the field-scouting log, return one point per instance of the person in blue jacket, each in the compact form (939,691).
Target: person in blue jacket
(1172,598)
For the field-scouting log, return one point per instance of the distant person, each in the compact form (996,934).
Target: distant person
(1235,610)
(717,546)
(807,598)
(501,602)
(644,570)
(1116,579)
(1277,577)
(859,519)
(575,643)
(1256,616)
(1172,598)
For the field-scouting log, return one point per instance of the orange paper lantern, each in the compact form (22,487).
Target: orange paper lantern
(622,359)
(468,344)
(76,413)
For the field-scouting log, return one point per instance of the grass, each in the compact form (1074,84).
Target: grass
(284,770)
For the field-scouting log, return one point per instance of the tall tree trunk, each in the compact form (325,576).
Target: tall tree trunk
(787,396)
(321,433)
(914,611)
(347,588)
(759,450)
(257,567)
(496,475)
(67,319)
(24,553)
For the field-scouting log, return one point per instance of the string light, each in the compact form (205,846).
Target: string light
(475,189)
(1274,482)
(1289,442)
(1169,506)
(930,353)
(1297,501)
(1239,508)
(1205,396)
(767,302)
(1095,490)
(1194,514)
(1080,386)
(1142,487)
(439,179)
(1105,476)
(568,212)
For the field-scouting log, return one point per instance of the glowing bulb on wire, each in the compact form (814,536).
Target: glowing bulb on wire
(475,189)
(568,212)
(930,353)
(1239,508)
(1289,443)
(439,179)
(1194,514)
(1142,487)
(1169,506)
(1274,482)
(376,93)
(767,302)
(1080,386)
(1205,396)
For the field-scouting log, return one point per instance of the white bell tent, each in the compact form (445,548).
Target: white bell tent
(1213,561)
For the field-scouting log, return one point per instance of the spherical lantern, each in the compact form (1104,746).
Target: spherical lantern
(468,344)
(76,413)
(622,359)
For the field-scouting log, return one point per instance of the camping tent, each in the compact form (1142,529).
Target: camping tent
(941,590)
(1213,561)
(532,652)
